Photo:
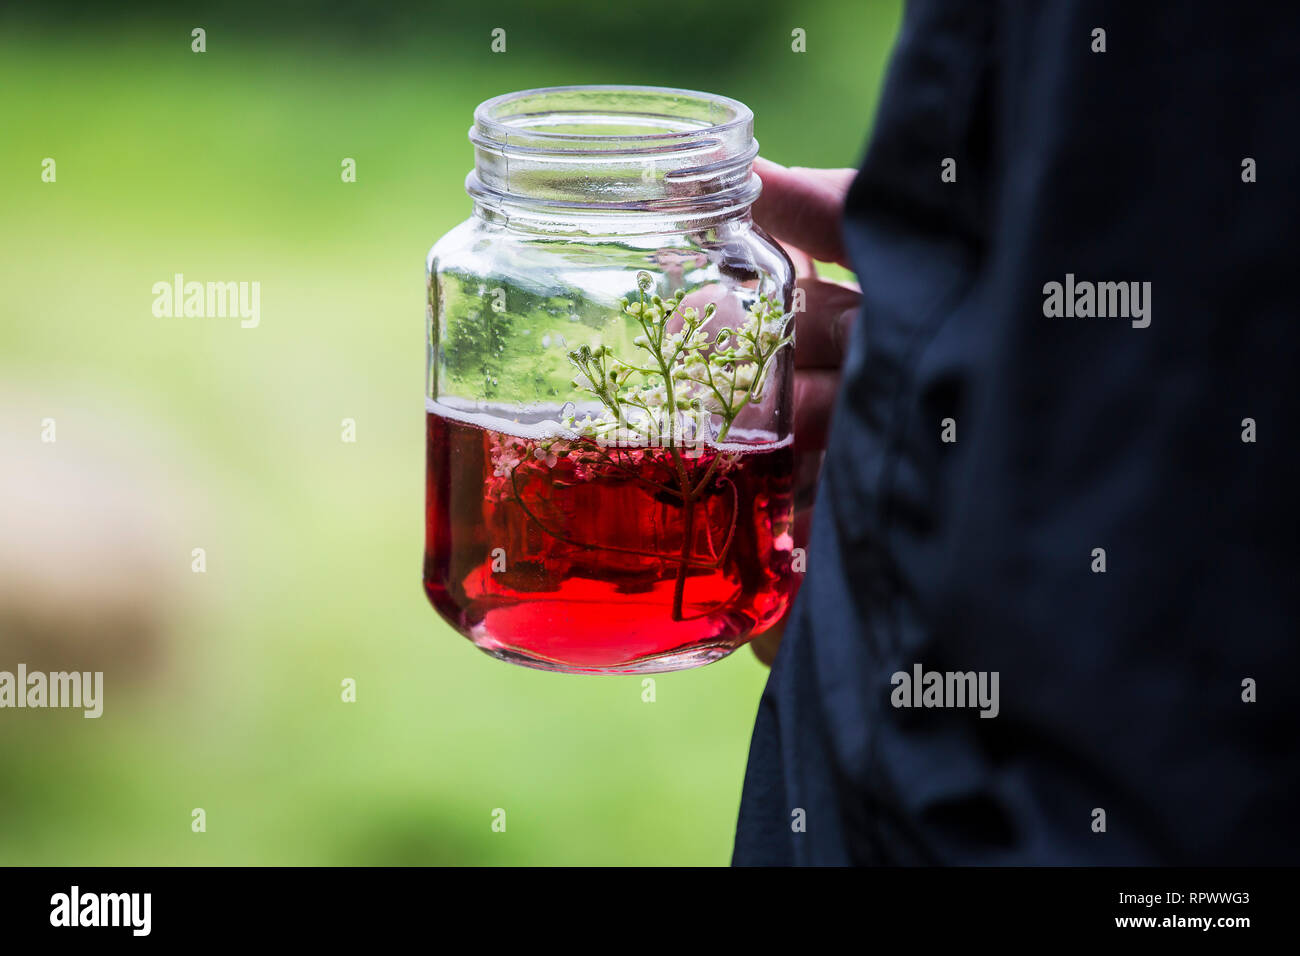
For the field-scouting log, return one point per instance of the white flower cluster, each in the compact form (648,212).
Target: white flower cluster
(686,373)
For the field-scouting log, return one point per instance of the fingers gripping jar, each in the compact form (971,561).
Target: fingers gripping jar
(610,377)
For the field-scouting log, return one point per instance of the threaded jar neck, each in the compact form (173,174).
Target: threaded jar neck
(594,152)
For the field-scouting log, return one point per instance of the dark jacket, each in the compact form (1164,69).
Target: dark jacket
(1120,690)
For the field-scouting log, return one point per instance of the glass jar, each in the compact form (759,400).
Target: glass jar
(610,377)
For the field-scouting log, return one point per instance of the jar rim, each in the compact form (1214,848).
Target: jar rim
(613,150)
(492,123)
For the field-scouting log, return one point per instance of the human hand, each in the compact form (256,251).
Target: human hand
(802,209)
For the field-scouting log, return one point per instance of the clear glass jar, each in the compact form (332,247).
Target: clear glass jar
(610,377)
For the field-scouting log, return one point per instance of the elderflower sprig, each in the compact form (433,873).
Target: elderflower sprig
(685,370)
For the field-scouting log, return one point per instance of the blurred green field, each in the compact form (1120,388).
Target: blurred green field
(225,166)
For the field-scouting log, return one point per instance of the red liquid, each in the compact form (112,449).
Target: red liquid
(592,559)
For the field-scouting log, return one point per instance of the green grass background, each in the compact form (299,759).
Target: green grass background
(225,166)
